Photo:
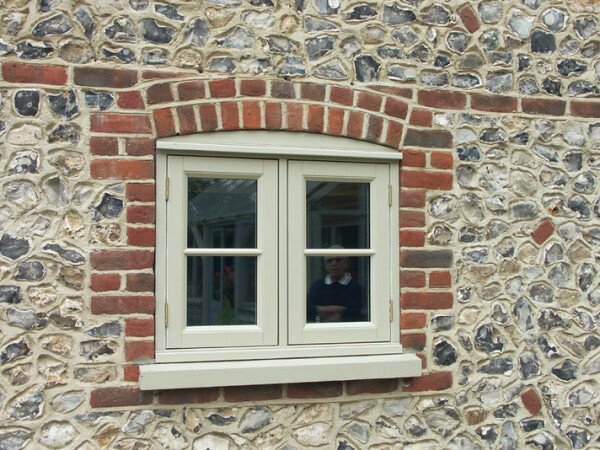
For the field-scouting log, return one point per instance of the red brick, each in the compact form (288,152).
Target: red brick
(105,77)
(230,118)
(423,359)
(469,18)
(341,96)
(441,160)
(440,279)
(428,138)
(164,122)
(273,116)
(412,199)
(433,381)
(122,169)
(159,93)
(141,236)
(187,119)
(141,214)
(311,91)
(191,90)
(412,278)
(543,231)
(251,115)
(140,282)
(295,113)
(396,108)
(139,350)
(585,109)
(355,124)
(15,72)
(421,117)
(335,121)
(123,304)
(120,123)
(104,146)
(102,282)
(394,134)
(222,88)
(532,401)
(412,238)
(131,372)
(110,397)
(136,327)
(381,386)
(412,321)
(139,146)
(374,129)
(544,107)
(427,300)
(369,101)
(130,100)
(413,341)
(413,158)
(426,180)
(140,192)
(442,99)
(326,389)
(162,75)
(282,89)
(316,118)
(187,396)
(412,219)
(493,103)
(252,393)
(208,117)
(253,88)
(122,259)
(426,259)
(400,92)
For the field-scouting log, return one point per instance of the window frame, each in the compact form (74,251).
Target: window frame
(181,367)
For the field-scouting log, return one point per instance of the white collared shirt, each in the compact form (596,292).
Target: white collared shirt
(344,280)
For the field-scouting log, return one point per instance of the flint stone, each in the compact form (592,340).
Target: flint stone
(559,275)
(444,353)
(580,206)
(591,343)
(529,366)
(92,350)
(109,207)
(549,319)
(568,371)
(95,374)
(507,411)
(420,53)
(489,40)
(13,247)
(25,319)
(154,57)
(168,11)
(509,438)
(389,52)
(524,211)
(469,235)
(484,339)
(57,434)
(227,3)
(497,366)
(14,439)
(124,55)
(394,15)
(255,419)
(573,161)
(490,11)
(499,83)
(521,24)
(28,50)
(108,329)
(64,105)
(586,27)
(367,68)
(542,42)
(30,271)
(541,293)
(444,208)
(493,136)
(585,276)
(405,36)
(495,229)
(68,401)
(528,86)
(281,45)
(198,33)
(86,20)
(523,314)
(361,12)
(319,47)
(100,100)
(263,3)
(58,24)
(333,70)
(402,73)
(154,33)
(465,175)
(65,133)
(222,64)
(585,183)
(121,30)
(69,255)
(327,7)
(137,422)
(488,434)
(568,67)
(441,61)
(27,406)
(359,431)
(57,192)
(292,66)
(27,102)
(552,87)
(67,315)
(582,89)
(442,422)
(466,81)
(436,15)
(315,25)
(170,436)
(434,78)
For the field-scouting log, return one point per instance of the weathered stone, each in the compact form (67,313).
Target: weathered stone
(95,374)
(586,27)
(442,422)
(27,319)
(444,353)
(58,24)
(436,14)
(506,411)
(254,420)
(415,426)
(490,11)
(69,255)
(521,24)
(402,73)
(457,41)
(64,105)
(30,271)
(123,55)
(68,314)
(222,64)
(497,366)
(29,405)
(420,53)
(319,46)
(93,350)
(137,423)
(169,435)
(14,438)
(509,437)
(312,25)
(434,78)
(393,15)
(367,68)
(359,430)
(68,401)
(405,36)
(28,50)
(484,339)
(542,42)
(333,70)
(27,102)
(568,371)
(121,30)
(198,33)
(488,434)
(549,319)
(13,247)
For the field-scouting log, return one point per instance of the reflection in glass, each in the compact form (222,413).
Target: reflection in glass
(221,213)
(337,214)
(221,290)
(338,289)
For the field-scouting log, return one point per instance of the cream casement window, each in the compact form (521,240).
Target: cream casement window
(276,261)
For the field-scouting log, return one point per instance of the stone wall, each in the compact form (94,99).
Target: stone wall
(495,107)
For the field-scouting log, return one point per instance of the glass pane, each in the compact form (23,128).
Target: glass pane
(338,289)
(221,213)
(337,214)
(221,290)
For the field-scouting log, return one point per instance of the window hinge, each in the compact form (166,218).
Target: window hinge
(391,311)
(166,314)
(390,194)
(167,189)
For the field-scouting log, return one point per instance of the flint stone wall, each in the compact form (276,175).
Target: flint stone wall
(495,107)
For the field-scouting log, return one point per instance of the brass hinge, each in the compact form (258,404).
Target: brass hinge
(167,189)
(390,194)
(166,314)
(391,311)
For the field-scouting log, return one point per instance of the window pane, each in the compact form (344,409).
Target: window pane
(338,289)
(221,290)
(337,214)
(221,213)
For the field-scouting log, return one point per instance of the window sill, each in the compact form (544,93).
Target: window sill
(275,371)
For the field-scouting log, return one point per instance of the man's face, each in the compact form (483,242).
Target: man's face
(336,266)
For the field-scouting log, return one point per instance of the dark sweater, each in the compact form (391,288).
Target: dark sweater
(350,296)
